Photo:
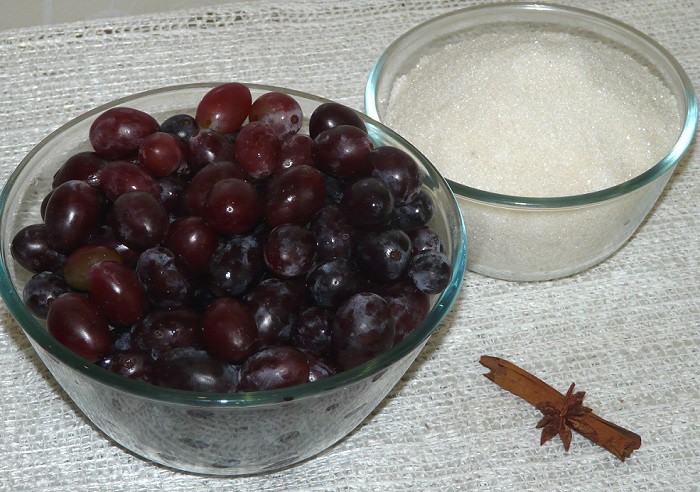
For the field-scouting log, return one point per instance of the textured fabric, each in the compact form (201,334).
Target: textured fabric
(627,331)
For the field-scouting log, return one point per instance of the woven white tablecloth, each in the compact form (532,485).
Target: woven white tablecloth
(626,331)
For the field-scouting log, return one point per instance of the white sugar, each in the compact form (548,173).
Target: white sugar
(535,113)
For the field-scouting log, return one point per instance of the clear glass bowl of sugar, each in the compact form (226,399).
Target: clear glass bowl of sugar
(557,128)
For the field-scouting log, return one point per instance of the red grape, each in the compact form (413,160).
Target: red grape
(81,261)
(116,291)
(84,166)
(164,278)
(118,132)
(30,248)
(297,150)
(121,177)
(41,290)
(274,368)
(160,331)
(362,329)
(194,241)
(224,108)
(294,196)
(409,306)
(279,111)
(205,179)
(161,154)
(139,220)
(289,250)
(72,214)
(343,151)
(398,171)
(207,146)
(330,115)
(258,149)
(77,323)
(233,206)
(229,330)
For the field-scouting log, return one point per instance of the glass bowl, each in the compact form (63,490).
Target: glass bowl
(527,238)
(222,434)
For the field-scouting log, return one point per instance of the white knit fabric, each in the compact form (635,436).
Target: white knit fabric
(627,331)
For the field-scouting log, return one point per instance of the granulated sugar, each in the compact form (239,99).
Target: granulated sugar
(535,113)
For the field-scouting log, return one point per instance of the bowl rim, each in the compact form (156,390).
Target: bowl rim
(33,329)
(467,192)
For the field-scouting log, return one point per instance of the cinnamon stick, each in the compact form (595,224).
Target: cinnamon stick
(619,441)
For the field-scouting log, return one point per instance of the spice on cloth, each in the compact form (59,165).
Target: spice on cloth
(562,413)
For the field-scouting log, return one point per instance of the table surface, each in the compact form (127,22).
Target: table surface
(627,331)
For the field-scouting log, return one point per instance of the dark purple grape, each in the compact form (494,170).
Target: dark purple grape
(335,189)
(193,240)
(396,169)
(77,323)
(229,330)
(233,206)
(120,177)
(117,292)
(279,111)
(180,125)
(430,271)
(416,213)
(258,149)
(133,365)
(236,266)
(383,256)
(118,132)
(139,220)
(426,239)
(160,331)
(275,306)
(41,290)
(296,150)
(294,196)
(84,166)
(205,179)
(161,154)
(343,151)
(274,368)
(104,236)
(331,283)
(72,214)
(31,249)
(313,330)
(362,329)
(172,195)
(44,202)
(202,297)
(319,367)
(333,234)
(224,108)
(330,115)
(207,146)
(367,203)
(194,370)
(81,261)
(122,341)
(164,279)
(409,306)
(289,250)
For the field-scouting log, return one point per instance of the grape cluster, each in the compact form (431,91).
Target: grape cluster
(228,252)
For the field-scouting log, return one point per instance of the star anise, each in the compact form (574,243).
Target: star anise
(560,419)
(562,414)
